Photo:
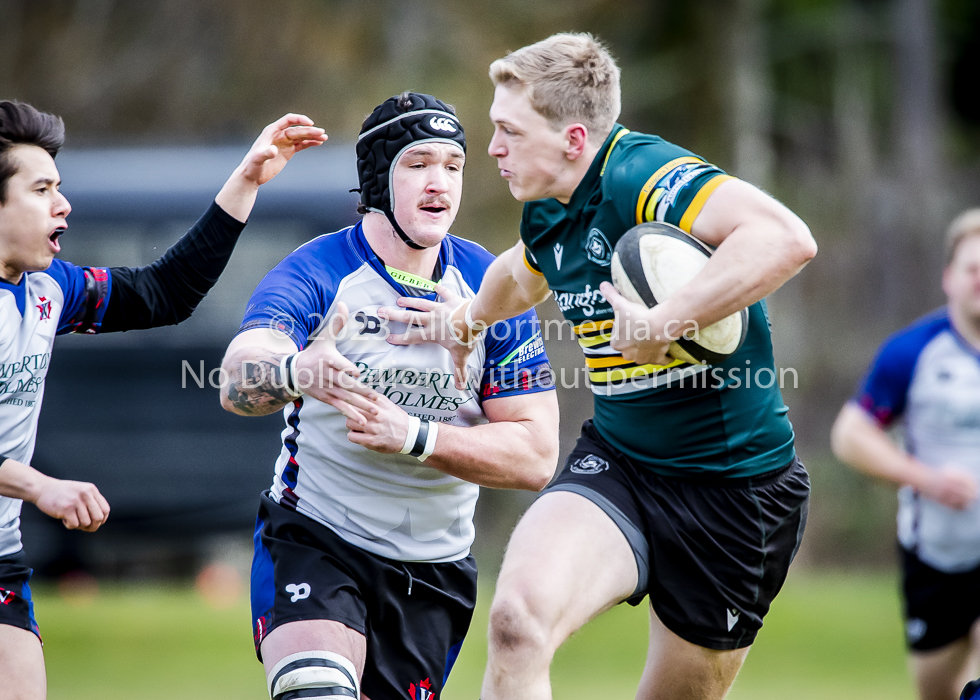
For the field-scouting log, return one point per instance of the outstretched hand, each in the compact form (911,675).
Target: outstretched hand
(326,375)
(277,143)
(435,322)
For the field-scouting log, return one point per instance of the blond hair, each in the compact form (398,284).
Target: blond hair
(964,226)
(568,78)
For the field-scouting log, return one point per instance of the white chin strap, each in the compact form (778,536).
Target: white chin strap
(311,671)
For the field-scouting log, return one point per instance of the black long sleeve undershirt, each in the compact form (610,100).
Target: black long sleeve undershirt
(168,290)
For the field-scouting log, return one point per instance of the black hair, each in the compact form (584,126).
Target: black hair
(22,124)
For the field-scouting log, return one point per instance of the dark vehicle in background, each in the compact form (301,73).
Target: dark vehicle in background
(126,411)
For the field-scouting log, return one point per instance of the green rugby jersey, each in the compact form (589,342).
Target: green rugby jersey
(710,420)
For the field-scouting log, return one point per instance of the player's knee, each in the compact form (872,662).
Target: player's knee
(298,674)
(514,625)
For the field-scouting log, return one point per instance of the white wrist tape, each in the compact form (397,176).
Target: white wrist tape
(477,326)
(430,441)
(287,371)
(414,423)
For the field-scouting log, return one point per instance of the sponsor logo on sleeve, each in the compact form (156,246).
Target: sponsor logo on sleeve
(673,184)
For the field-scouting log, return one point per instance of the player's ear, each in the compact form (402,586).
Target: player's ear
(576,139)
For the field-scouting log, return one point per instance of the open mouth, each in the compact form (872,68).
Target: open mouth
(55,235)
(433,209)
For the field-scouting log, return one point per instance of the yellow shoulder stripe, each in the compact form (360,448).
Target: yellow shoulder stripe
(652,182)
(527,264)
(616,138)
(697,204)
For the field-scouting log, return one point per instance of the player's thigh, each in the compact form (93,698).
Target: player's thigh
(941,611)
(313,635)
(679,670)
(21,659)
(21,665)
(566,562)
(941,673)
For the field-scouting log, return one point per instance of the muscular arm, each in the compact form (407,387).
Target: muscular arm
(253,381)
(760,244)
(251,365)
(517,449)
(859,441)
(508,289)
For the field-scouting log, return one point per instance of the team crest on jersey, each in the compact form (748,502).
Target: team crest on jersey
(597,248)
(422,691)
(6,596)
(44,307)
(590,464)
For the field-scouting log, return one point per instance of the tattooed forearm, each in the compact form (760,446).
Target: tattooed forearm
(255,386)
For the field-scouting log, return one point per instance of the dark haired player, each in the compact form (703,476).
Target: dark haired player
(689,492)
(926,378)
(362,576)
(41,296)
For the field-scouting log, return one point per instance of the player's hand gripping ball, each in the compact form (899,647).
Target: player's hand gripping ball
(654,260)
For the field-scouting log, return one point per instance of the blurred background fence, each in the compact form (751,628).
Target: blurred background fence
(861,115)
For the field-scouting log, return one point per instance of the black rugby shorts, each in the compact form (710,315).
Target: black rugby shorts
(711,553)
(414,615)
(16,605)
(940,607)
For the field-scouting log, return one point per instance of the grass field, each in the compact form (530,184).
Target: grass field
(829,635)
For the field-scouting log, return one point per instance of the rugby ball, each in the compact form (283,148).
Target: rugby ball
(650,263)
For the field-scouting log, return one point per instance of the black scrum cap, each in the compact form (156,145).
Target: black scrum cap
(393,127)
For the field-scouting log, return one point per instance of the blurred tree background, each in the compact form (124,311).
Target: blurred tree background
(861,115)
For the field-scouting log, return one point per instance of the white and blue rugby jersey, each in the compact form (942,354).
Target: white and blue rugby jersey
(43,305)
(388,504)
(928,377)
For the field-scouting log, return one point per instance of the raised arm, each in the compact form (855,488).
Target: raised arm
(760,244)
(168,290)
(859,441)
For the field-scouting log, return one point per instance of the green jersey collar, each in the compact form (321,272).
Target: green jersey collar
(595,172)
